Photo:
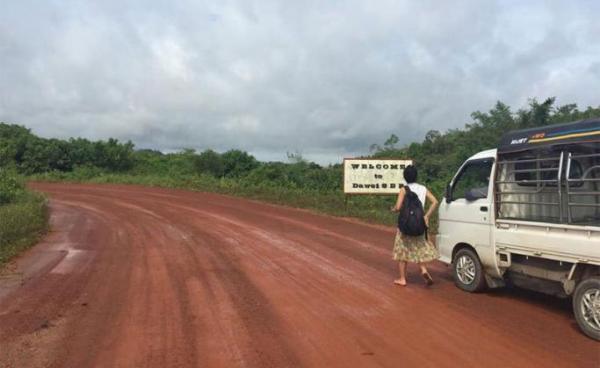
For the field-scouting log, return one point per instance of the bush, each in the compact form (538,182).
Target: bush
(10,187)
(210,162)
(21,224)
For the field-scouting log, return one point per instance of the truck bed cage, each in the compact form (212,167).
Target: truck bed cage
(550,172)
(507,167)
(585,177)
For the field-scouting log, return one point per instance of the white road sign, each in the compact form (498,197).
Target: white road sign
(373,176)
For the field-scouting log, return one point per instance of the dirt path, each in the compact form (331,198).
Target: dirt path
(140,277)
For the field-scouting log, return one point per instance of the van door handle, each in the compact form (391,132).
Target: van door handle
(483,208)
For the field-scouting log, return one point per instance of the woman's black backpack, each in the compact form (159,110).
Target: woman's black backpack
(411,219)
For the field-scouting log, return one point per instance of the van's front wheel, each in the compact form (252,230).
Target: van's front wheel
(586,306)
(468,273)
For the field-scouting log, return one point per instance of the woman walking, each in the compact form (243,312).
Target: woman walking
(413,248)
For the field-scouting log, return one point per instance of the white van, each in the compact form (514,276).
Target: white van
(528,214)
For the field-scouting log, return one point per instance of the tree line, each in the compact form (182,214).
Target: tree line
(29,154)
(437,156)
(23,152)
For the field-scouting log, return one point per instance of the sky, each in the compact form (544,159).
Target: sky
(325,79)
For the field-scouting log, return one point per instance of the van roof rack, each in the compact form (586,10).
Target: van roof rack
(576,132)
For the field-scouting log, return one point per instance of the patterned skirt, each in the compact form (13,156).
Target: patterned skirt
(415,249)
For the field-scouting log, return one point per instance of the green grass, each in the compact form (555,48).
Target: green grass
(22,223)
(373,209)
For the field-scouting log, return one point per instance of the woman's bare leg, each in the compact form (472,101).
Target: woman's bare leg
(425,274)
(402,279)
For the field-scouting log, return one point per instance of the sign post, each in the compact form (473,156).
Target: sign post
(374,176)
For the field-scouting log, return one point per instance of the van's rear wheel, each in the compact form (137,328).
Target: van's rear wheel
(468,273)
(586,306)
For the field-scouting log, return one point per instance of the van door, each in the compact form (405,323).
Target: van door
(467,215)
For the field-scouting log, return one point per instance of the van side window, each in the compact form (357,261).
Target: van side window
(473,180)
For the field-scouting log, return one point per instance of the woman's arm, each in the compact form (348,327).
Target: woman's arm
(399,201)
(432,207)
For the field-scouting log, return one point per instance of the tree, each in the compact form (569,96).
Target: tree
(112,155)
(238,163)
(432,136)
(391,142)
(209,162)
(295,157)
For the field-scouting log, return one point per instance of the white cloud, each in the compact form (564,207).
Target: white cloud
(324,78)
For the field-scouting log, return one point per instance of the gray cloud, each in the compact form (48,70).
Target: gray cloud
(324,78)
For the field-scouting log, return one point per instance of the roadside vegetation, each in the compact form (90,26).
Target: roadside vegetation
(23,216)
(296,183)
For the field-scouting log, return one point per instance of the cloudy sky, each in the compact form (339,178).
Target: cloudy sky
(324,78)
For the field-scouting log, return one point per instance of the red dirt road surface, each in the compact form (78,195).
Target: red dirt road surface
(140,277)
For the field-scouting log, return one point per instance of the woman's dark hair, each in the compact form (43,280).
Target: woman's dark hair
(410,174)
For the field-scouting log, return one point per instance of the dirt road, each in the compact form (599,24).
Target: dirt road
(138,277)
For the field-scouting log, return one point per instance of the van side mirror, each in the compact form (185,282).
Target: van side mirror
(448,193)
(475,194)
